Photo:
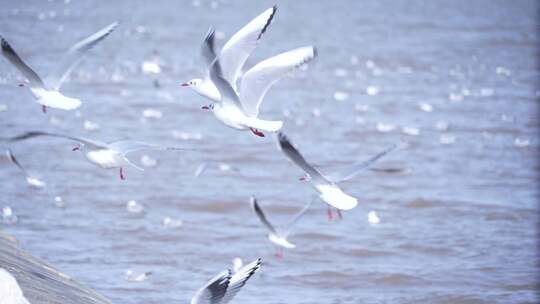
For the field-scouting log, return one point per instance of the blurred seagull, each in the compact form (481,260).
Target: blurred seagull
(47,92)
(355,168)
(10,292)
(31,180)
(278,238)
(105,155)
(329,192)
(223,287)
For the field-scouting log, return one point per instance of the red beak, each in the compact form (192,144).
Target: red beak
(205,108)
(303,178)
(75,148)
(185,84)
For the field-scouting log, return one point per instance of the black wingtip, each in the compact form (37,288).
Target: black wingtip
(268,22)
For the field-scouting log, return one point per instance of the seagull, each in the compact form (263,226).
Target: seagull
(223,287)
(104,155)
(234,54)
(255,82)
(278,238)
(329,192)
(355,168)
(31,180)
(10,292)
(47,92)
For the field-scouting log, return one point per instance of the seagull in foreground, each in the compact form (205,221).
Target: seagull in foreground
(105,155)
(355,168)
(230,110)
(31,180)
(10,292)
(46,91)
(329,192)
(223,287)
(255,82)
(278,238)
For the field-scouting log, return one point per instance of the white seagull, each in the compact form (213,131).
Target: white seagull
(104,155)
(10,292)
(329,192)
(223,287)
(231,110)
(278,238)
(355,168)
(47,92)
(30,179)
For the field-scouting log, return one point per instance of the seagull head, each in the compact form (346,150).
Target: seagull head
(77,147)
(208,107)
(192,83)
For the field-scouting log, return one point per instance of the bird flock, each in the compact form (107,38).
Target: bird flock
(235,98)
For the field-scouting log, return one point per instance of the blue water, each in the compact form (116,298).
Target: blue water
(458,205)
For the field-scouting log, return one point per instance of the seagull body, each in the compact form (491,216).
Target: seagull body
(278,238)
(240,110)
(47,92)
(329,192)
(104,155)
(223,287)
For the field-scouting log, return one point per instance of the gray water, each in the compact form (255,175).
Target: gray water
(458,205)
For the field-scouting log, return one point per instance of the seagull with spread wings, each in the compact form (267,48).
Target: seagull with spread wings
(223,287)
(104,155)
(277,237)
(328,190)
(46,91)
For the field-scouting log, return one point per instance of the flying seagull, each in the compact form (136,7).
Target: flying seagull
(46,91)
(278,238)
(329,192)
(104,155)
(30,179)
(223,287)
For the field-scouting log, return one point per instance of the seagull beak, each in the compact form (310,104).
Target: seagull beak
(185,84)
(205,107)
(303,178)
(75,148)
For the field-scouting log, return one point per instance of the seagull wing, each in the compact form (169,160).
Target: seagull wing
(236,51)
(127,146)
(358,167)
(75,54)
(228,94)
(290,151)
(11,55)
(239,279)
(295,219)
(256,82)
(261,216)
(15,161)
(31,134)
(214,291)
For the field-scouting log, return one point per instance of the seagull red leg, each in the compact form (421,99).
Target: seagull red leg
(339,214)
(329,213)
(44,109)
(257,132)
(122,177)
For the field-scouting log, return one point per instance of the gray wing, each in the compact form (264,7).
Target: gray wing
(228,95)
(9,53)
(214,291)
(290,151)
(15,161)
(261,216)
(31,134)
(358,167)
(208,51)
(127,146)
(239,279)
(297,217)
(75,54)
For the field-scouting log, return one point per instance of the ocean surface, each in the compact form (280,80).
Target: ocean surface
(454,83)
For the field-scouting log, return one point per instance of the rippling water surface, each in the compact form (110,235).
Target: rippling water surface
(458,204)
